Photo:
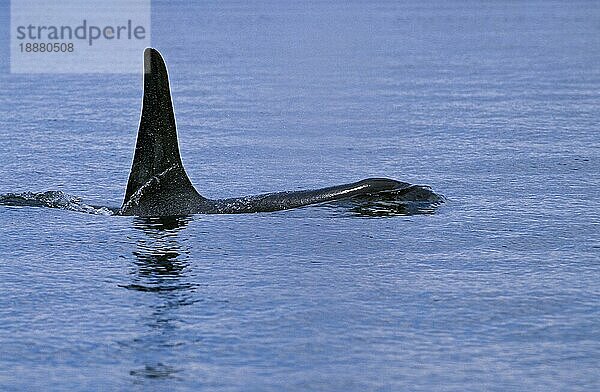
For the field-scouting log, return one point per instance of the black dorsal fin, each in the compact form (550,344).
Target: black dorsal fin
(158,183)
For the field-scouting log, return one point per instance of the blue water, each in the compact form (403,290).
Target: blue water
(495,105)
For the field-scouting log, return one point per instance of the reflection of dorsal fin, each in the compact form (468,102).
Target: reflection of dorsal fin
(158,184)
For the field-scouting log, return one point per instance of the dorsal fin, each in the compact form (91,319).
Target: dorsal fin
(158,183)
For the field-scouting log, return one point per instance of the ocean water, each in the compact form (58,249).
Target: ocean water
(494,105)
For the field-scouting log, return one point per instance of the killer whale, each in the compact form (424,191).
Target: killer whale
(159,186)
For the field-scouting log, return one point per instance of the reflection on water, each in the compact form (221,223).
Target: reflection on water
(161,270)
(157,371)
(160,257)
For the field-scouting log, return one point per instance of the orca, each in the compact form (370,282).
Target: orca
(159,186)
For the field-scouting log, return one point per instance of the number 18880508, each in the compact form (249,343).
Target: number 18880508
(42,47)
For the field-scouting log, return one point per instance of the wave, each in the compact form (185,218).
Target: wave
(53,199)
(412,200)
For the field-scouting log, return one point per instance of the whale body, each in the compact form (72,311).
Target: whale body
(159,186)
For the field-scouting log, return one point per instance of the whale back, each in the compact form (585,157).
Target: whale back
(158,184)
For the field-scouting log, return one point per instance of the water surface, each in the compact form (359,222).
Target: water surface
(493,105)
